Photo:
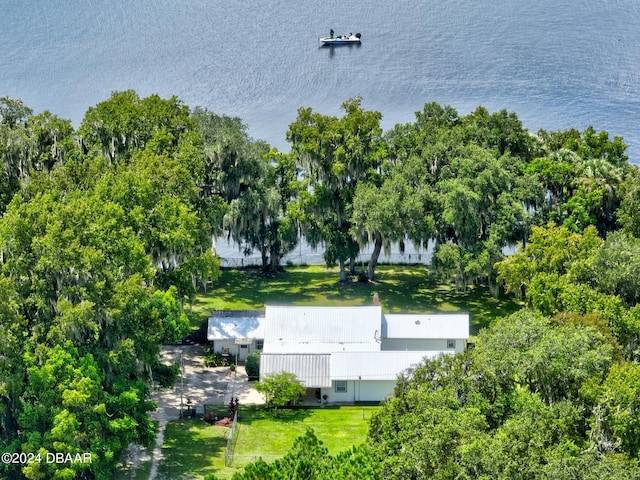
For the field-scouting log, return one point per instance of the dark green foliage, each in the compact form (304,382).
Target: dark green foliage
(166,375)
(125,123)
(252,365)
(88,283)
(335,155)
(531,400)
(216,359)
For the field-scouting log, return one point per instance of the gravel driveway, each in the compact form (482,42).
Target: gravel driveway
(201,385)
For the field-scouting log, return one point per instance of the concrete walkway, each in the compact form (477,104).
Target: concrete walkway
(199,384)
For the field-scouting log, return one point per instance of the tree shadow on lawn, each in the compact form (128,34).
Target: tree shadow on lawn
(189,447)
(250,288)
(401,289)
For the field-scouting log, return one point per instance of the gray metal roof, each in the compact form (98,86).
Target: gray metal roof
(313,370)
(292,329)
(428,326)
(385,365)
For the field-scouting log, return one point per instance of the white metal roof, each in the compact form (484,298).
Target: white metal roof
(383,365)
(428,326)
(292,329)
(230,328)
(311,369)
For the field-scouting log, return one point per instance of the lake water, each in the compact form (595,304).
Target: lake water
(557,64)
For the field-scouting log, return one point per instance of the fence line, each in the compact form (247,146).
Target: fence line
(243,460)
(316,259)
(228,456)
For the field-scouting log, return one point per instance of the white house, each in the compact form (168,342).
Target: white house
(348,354)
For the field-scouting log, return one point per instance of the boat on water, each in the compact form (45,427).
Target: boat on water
(348,39)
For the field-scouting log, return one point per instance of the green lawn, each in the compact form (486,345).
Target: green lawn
(409,289)
(261,434)
(191,450)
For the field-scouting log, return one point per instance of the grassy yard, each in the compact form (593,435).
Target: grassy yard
(192,449)
(409,289)
(261,434)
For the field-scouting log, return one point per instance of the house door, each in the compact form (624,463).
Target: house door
(243,352)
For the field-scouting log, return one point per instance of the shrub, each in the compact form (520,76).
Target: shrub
(215,359)
(252,365)
(166,375)
(280,389)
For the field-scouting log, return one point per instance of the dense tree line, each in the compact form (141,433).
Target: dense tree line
(104,235)
(106,232)
(471,184)
(537,397)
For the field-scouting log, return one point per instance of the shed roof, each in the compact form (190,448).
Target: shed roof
(382,365)
(427,326)
(292,329)
(229,327)
(313,370)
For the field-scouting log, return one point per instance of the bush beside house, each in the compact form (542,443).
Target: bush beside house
(252,365)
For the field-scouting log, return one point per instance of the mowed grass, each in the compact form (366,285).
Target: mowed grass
(192,449)
(401,288)
(260,433)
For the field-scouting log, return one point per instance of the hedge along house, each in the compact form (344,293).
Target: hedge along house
(354,354)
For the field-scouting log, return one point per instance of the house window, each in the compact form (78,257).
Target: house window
(451,344)
(341,387)
(259,344)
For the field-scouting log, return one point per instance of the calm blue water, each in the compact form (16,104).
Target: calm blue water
(557,64)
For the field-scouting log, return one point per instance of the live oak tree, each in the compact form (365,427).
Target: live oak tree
(259,218)
(98,248)
(232,161)
(469,176)
(390,213)
(515,406)
(335,154)
(125,123)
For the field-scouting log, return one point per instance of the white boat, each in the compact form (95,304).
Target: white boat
(349,39)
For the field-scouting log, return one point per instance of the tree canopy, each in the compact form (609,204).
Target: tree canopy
(534,399)
(101,241)
(106,231)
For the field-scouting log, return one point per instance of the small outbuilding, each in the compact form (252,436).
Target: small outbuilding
(236,333)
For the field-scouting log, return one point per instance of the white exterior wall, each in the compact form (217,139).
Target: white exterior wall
(425,344)
(360,391)
(374,390)
(335,397)
(218,345)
